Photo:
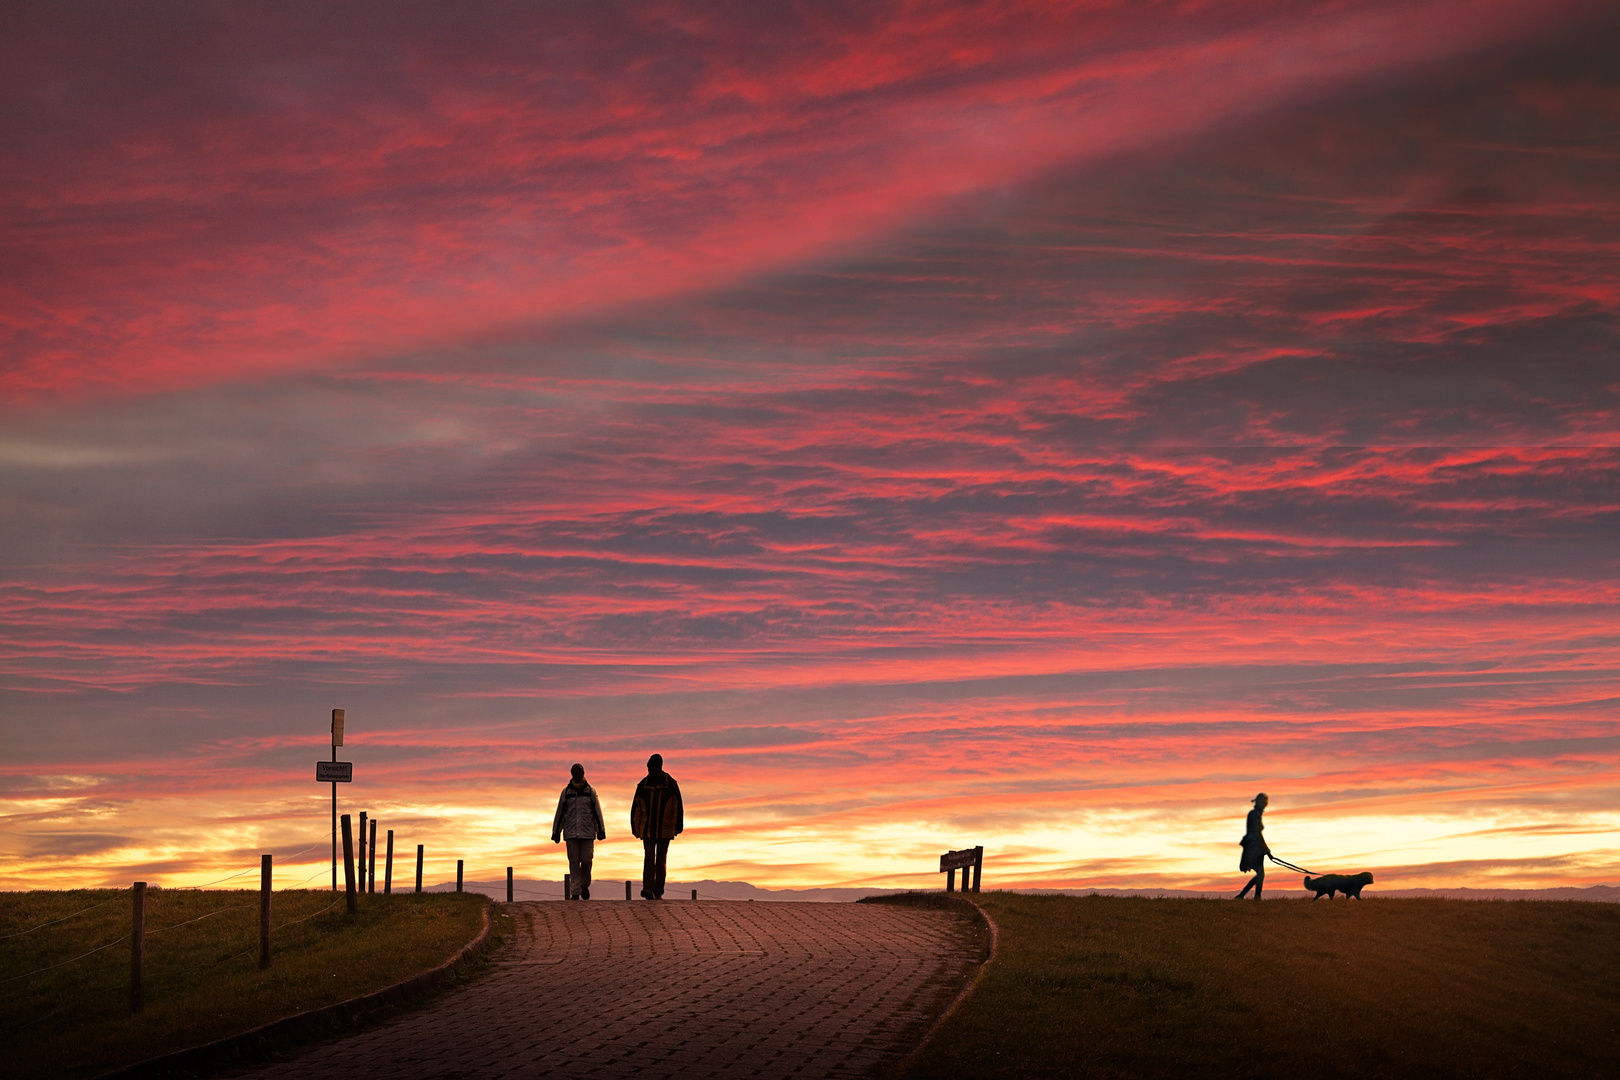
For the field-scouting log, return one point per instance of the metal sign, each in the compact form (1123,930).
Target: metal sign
(334,772)
(337,727)
(955,860)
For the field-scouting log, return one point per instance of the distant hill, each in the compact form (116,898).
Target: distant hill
(709,889)
(613,889)
(1609,894)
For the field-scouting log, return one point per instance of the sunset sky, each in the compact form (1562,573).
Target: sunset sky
(1034,425)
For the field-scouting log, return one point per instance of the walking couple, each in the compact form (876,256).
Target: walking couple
(656,816)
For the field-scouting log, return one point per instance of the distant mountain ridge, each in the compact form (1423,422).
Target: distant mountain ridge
(1609,894)
(709,889)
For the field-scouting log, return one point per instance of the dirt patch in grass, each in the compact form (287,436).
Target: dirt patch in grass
(1129,987)
(202,977)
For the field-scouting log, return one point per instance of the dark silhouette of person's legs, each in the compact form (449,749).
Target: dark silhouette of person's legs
(580,854)
(652,867)
(1256,883)
(663,865)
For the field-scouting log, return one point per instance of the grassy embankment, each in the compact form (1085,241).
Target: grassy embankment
(1143,988)
(202,976)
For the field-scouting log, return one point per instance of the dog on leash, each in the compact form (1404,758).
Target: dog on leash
(1349,884)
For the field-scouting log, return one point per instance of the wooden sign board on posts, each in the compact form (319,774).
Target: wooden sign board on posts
(970,861)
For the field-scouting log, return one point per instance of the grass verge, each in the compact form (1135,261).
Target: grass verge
(201,961)
(1107,987)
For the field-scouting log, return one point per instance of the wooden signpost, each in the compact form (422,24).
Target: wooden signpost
(335,772)
(967,859)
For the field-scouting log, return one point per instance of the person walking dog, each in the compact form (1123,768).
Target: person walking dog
(1254,848)
(657,817)
(579,820)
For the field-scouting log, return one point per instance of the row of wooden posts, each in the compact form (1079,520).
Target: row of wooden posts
(368,881)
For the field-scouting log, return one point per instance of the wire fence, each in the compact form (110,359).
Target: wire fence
(306,918)
(275,929)
(544,894)
(200,918)
(52,967)
(63,919)
(125,938)
(245,873)
(322,872)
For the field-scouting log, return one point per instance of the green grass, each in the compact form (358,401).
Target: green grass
(201,962)
(1144,988)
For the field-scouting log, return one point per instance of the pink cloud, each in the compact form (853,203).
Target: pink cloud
(252,200)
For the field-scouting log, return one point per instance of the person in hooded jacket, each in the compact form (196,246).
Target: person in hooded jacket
(579,820)
(657,817)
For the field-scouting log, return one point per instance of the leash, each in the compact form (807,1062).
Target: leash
(1291,866)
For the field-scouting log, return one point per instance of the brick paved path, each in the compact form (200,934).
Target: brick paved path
(675,989)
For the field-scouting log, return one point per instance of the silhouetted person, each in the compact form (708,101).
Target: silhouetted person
(579,819)
(1254,848)
(656,815)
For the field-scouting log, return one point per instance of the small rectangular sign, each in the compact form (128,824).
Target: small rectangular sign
(337,727)
(955,860)
(334,772)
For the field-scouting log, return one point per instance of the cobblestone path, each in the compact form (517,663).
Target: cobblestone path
(675,989)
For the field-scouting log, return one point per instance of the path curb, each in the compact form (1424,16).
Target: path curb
(344,1013)
(962,995)
(906,1062)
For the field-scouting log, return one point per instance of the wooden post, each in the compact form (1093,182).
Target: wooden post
(264,912)
(360,841)
(950,880)
(137,945)
(337,741)
(568,888)
(627,890)
(388,867)
(418,867)
(978,866)
(348,862)
(371,872)
(694,894)
(458,875)
(508,884)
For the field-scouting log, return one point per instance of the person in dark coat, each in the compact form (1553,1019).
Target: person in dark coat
(657,816)
(1254,848)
